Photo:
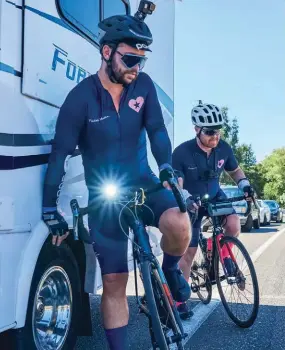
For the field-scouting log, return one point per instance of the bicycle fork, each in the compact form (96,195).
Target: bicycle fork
(224,252)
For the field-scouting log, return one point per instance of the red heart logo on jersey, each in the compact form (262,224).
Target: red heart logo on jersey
(136,104)
(220,163)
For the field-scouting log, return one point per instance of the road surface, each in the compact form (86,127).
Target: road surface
(210,328)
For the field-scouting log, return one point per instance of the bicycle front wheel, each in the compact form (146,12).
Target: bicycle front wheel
(237,282)
(165,321)
(157,328)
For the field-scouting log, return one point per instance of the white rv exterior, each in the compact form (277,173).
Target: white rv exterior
(42,57)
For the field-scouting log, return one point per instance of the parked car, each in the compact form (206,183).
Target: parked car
(265,213)
(276,212)
(249,221)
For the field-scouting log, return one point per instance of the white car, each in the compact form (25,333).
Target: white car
(265,214)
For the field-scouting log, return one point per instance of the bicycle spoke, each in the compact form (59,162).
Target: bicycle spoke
(247,299)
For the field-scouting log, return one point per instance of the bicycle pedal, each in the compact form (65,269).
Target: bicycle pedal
(195,288)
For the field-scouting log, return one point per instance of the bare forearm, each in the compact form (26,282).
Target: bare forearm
(237,174)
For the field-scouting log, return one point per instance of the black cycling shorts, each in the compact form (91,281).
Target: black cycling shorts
(196,227)
(110,242)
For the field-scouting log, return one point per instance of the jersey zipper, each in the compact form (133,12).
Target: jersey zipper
(119,121)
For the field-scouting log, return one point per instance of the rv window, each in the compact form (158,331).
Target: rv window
(82,14)
(115,7)
(85,14)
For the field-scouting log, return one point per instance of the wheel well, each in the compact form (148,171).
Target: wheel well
(77,249)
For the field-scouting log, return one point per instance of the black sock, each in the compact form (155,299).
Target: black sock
(117,338)
(170,262)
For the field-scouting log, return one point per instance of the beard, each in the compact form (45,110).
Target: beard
(124,76)
(211,143)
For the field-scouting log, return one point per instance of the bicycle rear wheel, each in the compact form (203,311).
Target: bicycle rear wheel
(201,283)
(240,276)
(161,308)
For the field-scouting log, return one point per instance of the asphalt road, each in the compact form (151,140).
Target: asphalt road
(210,327)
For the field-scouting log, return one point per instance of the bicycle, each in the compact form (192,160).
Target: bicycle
(217,249)
(158,305)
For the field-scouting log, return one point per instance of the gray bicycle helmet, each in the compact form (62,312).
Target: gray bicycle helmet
(207,115)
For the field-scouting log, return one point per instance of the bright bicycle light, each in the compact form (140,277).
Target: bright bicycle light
(110,190)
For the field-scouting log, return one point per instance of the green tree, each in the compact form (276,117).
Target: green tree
(226,132)
(274,173)
(256,177)
(245,156)
(234,139)
(244,153)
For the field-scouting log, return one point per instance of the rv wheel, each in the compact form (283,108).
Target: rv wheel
(54,302)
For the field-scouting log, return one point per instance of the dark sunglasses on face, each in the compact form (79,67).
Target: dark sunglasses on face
(211,132)
(131,60)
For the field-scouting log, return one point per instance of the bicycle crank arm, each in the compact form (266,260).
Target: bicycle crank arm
(176,338)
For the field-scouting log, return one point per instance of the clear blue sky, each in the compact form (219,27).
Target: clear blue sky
(232,53)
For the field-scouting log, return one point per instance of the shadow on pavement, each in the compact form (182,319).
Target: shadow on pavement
(219,332)
(268,229)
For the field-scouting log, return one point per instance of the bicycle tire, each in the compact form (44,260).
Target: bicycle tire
(196,276)
(249,322)
(152,307)
(207,300)
(174,322)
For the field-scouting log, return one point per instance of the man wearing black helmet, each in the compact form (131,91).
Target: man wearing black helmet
(106,115)
(201,162)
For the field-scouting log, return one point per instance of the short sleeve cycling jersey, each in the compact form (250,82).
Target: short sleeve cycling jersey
(112,144)
(202,172)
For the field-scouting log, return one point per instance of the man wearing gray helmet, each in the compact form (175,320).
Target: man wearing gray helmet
(201,162)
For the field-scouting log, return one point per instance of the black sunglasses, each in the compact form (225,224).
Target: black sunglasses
(131,60)
(211,132)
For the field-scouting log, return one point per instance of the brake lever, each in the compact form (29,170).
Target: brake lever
(173,182)
(249,205)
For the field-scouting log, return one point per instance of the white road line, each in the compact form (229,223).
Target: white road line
(265,245)
(202,312)
(274,297)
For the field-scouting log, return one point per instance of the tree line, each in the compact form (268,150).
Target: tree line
(268,176)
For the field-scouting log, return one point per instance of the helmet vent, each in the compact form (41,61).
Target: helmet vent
(201,118)
(215,117)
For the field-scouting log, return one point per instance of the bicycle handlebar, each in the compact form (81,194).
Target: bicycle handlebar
(240,198)
(78,213)
(177,191)
(206,202)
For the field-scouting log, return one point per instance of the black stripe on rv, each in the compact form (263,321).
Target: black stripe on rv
(22,140)
(20,162)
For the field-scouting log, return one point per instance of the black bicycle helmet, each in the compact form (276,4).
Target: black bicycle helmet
(123,29)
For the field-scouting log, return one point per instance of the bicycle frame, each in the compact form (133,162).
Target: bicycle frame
(206,273)
(218,233)
(142,250)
